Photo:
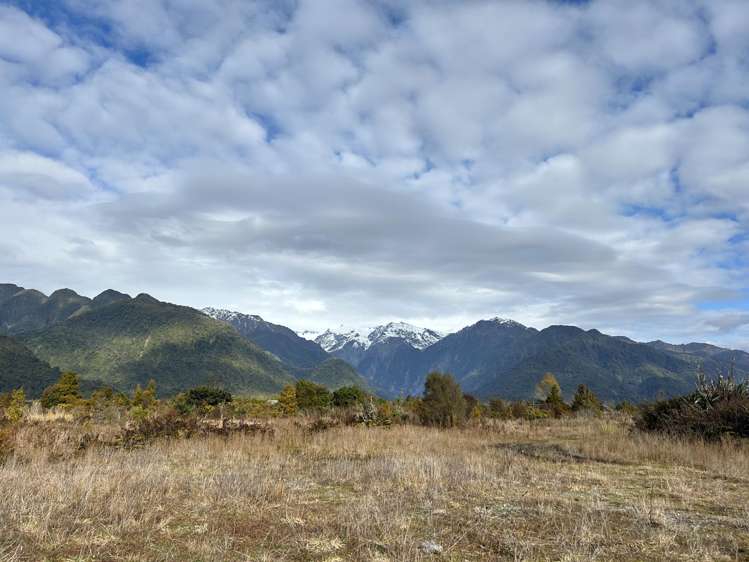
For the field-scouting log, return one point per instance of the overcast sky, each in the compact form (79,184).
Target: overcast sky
(326,162)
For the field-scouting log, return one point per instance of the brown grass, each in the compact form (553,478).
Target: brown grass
(572,489)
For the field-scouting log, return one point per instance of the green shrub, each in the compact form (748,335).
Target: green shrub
(443,404)
(348,396)
(65,392)
(208,396)
(14,410)
(716,408)
(145,398)
(201,398)
(586,401)
(311,396)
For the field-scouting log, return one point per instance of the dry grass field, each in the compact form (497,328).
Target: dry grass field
(570,489)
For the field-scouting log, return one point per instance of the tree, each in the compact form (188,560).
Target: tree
(585,400)
(208,396)
(287,400)
(474,408)
(14,411)
(550,392)
(548,387)
(348,396)
(311,396)
(145,398)
(65,392)
(443,402)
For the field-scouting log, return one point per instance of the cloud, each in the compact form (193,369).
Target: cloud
(324,162)
(28,175)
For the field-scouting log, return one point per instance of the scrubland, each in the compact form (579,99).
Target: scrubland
(551,489)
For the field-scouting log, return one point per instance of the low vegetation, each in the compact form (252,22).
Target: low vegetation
(344,475)
(717,409)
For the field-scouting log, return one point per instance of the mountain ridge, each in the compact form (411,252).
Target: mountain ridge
(305,358)
(119,340)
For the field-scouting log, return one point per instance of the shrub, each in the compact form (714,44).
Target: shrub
(716,408)
(586,401)
(443,402)
(254,408)
(208,396)
(473,407)
(287,400)
(348,396)
(202,398)
(14,410)
(499,409)
(550,392)
(65,392)
(145,398)
(628,408)
(311,396)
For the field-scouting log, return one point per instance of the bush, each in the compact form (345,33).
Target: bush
(348,396)
(628,408)
(311,396)
(715,409)
(65,392)
(254,408)
(146,399)
(202,398)
(499,409)
(287,400)
(14,410)
(550,392)
(586,401)
(208,396)
(443,402)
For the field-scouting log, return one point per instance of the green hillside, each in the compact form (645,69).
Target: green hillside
(19,368)
(614,368)
(333,373)
(129,342)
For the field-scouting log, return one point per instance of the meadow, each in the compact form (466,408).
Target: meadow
(573,488)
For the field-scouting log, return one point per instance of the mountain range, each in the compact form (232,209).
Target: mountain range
(114,339)
(304,358)
(121,341)
(501,357)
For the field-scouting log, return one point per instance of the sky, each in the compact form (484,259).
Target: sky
(327,162)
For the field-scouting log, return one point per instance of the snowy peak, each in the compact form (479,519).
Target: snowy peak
(333,341)
(420,338)
(506,322)
(232,317)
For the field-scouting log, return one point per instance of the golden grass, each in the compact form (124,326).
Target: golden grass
(554,490)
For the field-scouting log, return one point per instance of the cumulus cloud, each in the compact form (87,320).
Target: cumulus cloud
(328,162)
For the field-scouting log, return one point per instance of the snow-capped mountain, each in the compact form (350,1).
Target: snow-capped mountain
(237,319)
(506,322)
(333,341)
(420,338)
(283,342)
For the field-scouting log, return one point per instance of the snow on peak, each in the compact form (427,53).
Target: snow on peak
(419,338)
(333,341)
(231,316)
(506,322)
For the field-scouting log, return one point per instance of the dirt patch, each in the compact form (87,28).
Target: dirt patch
(555,453)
